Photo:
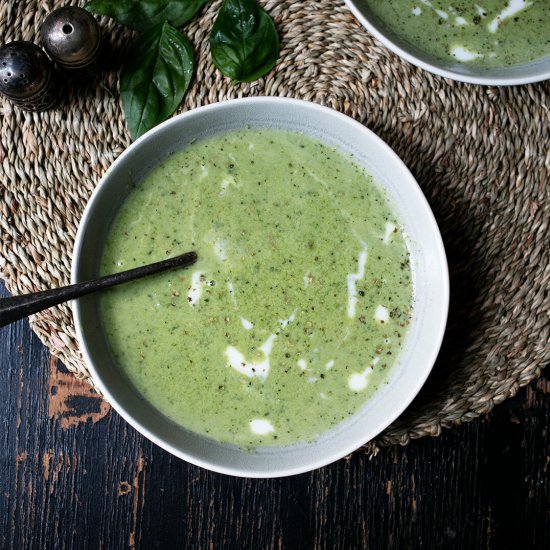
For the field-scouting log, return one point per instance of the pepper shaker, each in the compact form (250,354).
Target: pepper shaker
(72,38)
(26,76)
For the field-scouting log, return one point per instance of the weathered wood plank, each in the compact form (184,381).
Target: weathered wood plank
(73,474)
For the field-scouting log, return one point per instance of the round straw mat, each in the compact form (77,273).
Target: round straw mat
(480,154)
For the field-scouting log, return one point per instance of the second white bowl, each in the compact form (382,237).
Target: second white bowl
(534,71)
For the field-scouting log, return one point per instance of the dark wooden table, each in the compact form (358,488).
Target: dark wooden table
(74,475)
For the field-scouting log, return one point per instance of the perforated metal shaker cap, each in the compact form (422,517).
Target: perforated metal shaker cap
(26,76)
(71,37)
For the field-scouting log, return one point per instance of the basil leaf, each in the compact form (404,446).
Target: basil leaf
(155,77)
(244,41)
(141,15)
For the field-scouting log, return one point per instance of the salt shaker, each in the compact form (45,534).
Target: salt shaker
(26,76)
(72,38)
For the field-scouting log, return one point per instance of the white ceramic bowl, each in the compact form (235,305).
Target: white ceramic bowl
(535,71)
(427,259)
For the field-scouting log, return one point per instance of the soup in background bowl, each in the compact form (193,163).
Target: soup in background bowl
(496,42)
(230,365)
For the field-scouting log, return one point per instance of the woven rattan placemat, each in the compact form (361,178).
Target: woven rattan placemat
(480,154)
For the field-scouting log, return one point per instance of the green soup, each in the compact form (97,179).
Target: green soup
(299,302)
(488,33)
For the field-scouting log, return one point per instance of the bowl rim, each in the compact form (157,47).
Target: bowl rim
(339,452)
(538,76)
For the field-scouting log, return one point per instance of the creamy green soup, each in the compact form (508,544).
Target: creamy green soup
(297,306)
(486,33)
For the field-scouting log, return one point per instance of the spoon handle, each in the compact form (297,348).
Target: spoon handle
(14,308)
